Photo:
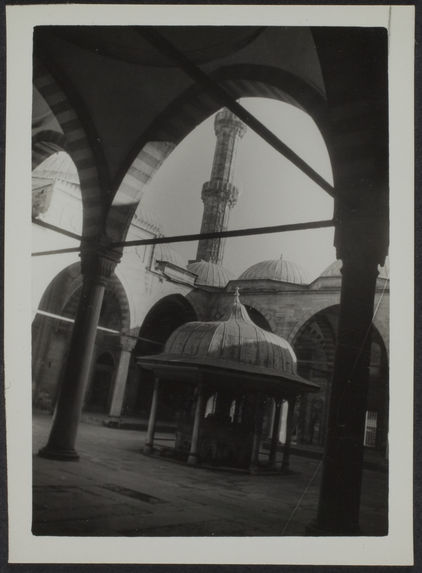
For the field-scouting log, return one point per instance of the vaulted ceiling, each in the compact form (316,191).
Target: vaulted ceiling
(126,92)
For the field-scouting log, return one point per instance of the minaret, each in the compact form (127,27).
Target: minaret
(219,195)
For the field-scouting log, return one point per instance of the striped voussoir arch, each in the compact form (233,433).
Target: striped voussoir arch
(186,114)
(70,280)
(183,115)
(116,287)
(76,144)
(304,319)
(130,191)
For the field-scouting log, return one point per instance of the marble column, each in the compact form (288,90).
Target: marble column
(338,510)
(127,344)
(272,458)
(199,414)
(96,270)
(149,444)
(256,441)
(285,464)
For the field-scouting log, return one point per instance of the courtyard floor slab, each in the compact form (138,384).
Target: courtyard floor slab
(115,490)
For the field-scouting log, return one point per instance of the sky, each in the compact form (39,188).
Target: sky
(272,190)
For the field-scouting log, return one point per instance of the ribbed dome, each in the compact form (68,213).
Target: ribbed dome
(210,274)
(167,254)
(334,270)
(276,270)
(236,340)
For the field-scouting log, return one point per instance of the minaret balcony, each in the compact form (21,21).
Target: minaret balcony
(220,191)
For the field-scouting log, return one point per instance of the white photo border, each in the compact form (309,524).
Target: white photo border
(394,549)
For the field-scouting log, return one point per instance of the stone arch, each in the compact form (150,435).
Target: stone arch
(177,304)
(305,317)
(50,336)
(68,282)
(377,324)
(75,141)
(315,346)
(300,327)
(167,314)
(189,110)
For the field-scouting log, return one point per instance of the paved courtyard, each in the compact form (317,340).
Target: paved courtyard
(115,490)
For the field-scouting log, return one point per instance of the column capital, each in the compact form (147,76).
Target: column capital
(361,236)
(127,342)
(98,261)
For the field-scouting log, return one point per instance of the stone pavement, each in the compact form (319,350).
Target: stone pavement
(114,490)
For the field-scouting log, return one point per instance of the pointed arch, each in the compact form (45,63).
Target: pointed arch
(75,142)
(190,109)
(66,285)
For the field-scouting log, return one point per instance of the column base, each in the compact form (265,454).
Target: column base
(148,449)
(64,455)
(112,422)
(192,460)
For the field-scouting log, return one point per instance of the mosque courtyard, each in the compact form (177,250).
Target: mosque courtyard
(115,490)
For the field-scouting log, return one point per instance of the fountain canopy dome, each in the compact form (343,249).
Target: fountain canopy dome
(233,344)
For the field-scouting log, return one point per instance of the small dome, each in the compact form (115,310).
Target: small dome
(232,341)
(166,254)
(334,270)
(210,274)
(276,270)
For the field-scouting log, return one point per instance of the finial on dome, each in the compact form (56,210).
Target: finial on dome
(236,295)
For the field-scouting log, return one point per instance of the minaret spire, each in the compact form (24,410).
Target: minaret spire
(219,195)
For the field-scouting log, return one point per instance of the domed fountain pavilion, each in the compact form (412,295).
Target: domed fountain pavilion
(223,374)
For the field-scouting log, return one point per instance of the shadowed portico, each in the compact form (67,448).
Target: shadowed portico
(344,90)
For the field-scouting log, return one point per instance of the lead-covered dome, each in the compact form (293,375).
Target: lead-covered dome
(276,270)
(210,274)
(236,339)
(232,347)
